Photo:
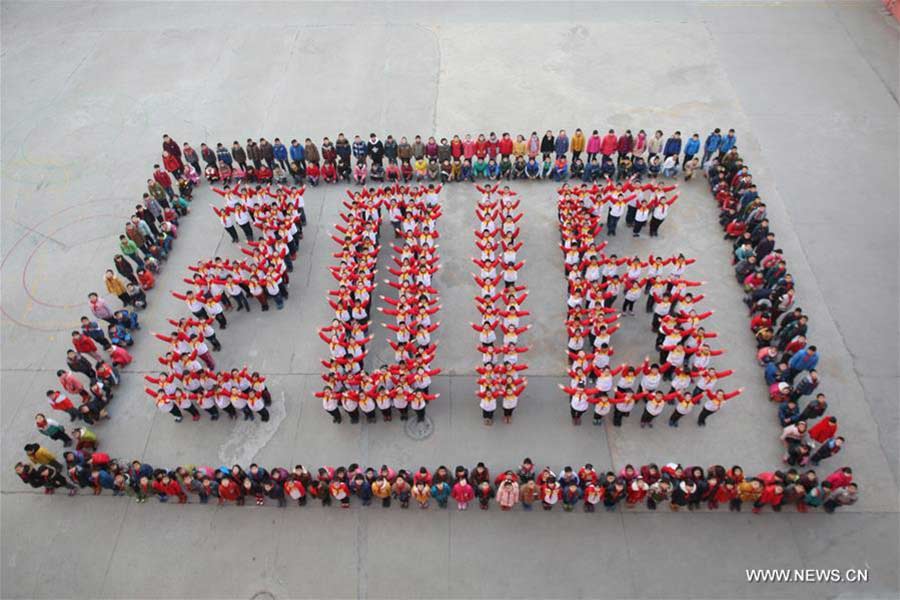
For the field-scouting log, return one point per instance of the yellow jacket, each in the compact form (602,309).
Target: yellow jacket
(747,492)
(381,489)
(577,142)
(520,148)
(42,456)
(114,286)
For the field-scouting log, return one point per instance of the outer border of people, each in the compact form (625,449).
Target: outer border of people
(779,327)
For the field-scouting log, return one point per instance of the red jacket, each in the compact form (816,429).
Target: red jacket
(171,163)
(481,148)
(230,492)
(823,430)
(609,144)
(463,493)
(839,479)
(60,402)
(506,146)
(770,496)
(84,344)
(162,178)
(723,494)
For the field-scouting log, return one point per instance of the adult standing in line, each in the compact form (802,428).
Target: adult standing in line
(311,151)
(728,142)
(239,154)
(673,147)
(190,156)
(375,149)
(267,151)
(711,145)
(171,146)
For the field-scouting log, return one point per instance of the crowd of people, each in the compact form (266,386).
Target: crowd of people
(272,221)
(413,212)
(87,385)
(483,157)
(497,239)
(616,163)
(527,487)
(785,353)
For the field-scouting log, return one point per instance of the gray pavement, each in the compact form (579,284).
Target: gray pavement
(87,90)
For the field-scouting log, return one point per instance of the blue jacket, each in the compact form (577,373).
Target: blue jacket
(493,170)
(280,151)
(712,142)
(673,146)
(803,361)
(692,147)
(440,492)
(533,168)
(362,490)
(105,479)
(360,150)
(748,197)
(771,373)
(787,415)
(297,153)
(223,155)
(562,145)
(728,142)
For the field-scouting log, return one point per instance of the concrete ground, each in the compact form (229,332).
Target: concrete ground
(87,90)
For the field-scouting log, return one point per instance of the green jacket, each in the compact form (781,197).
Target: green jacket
(128,247)
(52,429)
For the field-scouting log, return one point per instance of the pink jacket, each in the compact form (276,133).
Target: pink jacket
(508,495)
(593,144)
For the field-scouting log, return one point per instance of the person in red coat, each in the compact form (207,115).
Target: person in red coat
(772,494)
(840,478)
(229,491)
(85,345)
(172,164)
(506,145)
(166,486)
(824,429)
(610,143)
(463,493)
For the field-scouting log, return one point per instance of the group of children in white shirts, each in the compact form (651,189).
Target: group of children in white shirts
(220,285)
(595,285)
(413,213)
(499,300)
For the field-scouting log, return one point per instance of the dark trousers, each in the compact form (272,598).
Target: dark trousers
(241,301)
(233,233)
(676,416)
(703,415)
(335,415)
(638,225)
(628,305)
(654,226)
(248,231)
(629,215)
(61,436)
(646,417)
(611,223)
(618,416)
